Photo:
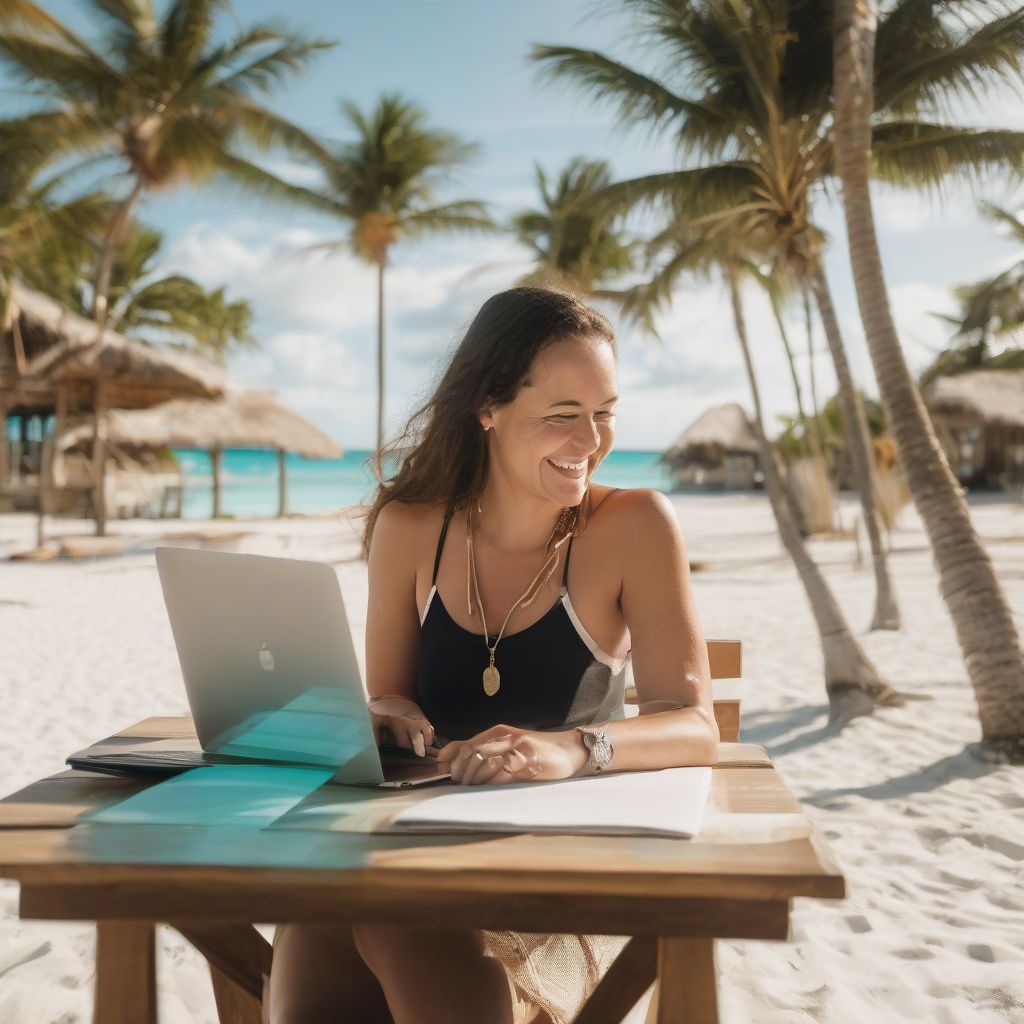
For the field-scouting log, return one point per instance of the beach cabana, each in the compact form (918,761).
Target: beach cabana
(240,419)
(718,451)
(59,367)
(979,418)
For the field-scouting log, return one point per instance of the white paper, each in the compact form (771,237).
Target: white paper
(669,802)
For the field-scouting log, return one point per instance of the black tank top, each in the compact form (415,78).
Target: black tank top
(553,674)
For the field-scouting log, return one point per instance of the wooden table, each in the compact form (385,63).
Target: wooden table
(757,851)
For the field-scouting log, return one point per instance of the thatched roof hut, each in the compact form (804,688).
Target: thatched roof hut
(240,419)
(718,449)
(54,362)
(725,428)
(48,342)
(990,396)
(979,418)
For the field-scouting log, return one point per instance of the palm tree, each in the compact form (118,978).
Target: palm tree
(159,96)
(851,681)
(34,222)
(989,310)
(769,150)
(170,310)
(383,185)
(752,95)
(984,624)
(162,98)
(573,239)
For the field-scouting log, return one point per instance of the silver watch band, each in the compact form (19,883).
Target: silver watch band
(600,751)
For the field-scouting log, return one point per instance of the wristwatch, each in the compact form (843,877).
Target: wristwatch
(599,748)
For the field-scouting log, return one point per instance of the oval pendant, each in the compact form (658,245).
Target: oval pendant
(492,680)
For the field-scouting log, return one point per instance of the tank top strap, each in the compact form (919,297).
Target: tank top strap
(565,568)
(568,549)
(440,545)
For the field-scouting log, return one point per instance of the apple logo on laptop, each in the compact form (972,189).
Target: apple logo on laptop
(266,659)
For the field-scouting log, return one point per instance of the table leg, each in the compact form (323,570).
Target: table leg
(234,1004)
(626,980)
(125,973)
(686,991)
(239,959)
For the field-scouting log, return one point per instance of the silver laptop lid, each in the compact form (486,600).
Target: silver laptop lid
(268,662)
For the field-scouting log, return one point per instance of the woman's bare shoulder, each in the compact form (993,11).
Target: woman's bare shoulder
(629,516)
(405,524)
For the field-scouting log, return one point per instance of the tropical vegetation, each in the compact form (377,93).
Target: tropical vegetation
(382,184)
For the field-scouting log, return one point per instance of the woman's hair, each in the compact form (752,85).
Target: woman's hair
(442,452)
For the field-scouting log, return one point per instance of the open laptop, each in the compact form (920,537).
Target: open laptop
(270,673)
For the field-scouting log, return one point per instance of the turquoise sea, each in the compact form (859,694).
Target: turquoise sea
(249,480)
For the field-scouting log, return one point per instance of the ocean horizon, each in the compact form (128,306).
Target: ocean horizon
(317,486)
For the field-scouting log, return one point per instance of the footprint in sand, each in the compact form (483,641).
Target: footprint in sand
(981,951)
(22,955)
(914,953)
(858,923)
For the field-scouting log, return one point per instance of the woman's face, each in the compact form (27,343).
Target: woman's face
(549,439)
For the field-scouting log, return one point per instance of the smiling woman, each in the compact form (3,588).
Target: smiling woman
(505,657)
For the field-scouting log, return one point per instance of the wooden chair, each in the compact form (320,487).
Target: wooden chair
(726,659)
(726,665)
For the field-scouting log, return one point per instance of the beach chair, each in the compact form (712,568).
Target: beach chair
(726,661)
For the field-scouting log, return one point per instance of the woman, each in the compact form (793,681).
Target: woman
(507,594)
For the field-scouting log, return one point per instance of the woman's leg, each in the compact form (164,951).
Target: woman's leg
(436,974)
(318,977)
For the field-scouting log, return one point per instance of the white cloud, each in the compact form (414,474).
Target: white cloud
(316,319)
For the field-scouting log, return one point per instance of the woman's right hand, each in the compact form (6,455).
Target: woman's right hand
(403,718)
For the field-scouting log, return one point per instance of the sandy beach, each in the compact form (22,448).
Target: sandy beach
(931,839)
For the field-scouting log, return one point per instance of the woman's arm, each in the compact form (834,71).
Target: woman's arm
(676,724)
(393,629)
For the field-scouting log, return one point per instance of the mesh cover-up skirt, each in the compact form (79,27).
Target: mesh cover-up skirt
(557,972)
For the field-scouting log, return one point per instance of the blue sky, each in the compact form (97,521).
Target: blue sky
(465,62)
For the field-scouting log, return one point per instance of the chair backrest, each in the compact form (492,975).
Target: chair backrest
(726,659)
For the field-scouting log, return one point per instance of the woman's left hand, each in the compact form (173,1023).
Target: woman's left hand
(506,754)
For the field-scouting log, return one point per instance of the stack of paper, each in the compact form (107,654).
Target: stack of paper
(662,803)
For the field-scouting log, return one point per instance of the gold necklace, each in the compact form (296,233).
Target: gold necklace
(491,675)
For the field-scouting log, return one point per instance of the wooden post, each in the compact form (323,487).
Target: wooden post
(686,992)
(125,973)
(282,484)
(3,444)
(215,454)
(47,482)
(99,455)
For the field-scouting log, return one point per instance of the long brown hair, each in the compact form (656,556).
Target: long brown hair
(442,451)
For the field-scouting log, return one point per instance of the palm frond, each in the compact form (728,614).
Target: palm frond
(135,17)
(639,98)
(920,154)
(920,71)
(464,215)
(1004,217)
(260,182)
(52,65)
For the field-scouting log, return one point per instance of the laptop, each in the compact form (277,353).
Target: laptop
(270,674)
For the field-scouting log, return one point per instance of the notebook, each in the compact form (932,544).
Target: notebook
(669,802)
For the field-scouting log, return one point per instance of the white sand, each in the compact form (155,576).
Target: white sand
(931,840)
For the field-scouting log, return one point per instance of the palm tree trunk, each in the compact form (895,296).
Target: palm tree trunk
(815,410)
(380,357)
(851,681)
(794,505)
(855,426)
(807,441)
(108,250)
(984,625)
